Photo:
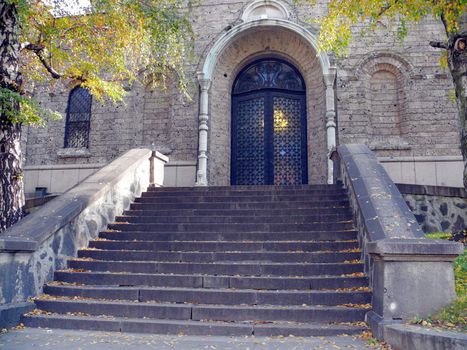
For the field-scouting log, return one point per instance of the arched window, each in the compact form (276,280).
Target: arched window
(78,118)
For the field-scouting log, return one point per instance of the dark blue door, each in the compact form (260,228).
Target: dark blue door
(269,126)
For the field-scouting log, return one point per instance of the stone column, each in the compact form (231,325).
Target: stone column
(329,80)
(201,174)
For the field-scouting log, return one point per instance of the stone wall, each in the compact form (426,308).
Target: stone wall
(432,170)
(56,178)
(426,115)
(423,118)
(33,249)
(437,209)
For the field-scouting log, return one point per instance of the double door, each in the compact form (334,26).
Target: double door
(269,138)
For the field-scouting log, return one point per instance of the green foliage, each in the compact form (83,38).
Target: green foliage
(439,235)
(416,320)
(336,26)
(454,315)
(460,272)
(31,113)
(102,47)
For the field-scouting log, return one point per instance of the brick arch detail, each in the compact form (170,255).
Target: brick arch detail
(389,61)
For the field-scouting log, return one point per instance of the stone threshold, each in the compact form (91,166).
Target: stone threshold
(10,314)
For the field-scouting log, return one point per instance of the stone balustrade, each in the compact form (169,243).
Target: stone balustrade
(409,274)
(33,249)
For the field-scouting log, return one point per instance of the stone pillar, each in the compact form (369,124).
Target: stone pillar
(329,80)
(201,174)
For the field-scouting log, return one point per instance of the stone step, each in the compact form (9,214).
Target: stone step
(175,213)
(290,219)
(229,236)
(139,205)
(246,260)
(225,228)
(202,257)
(211,281)
(234,193)
(247,188)
(211,296)
(198,312)
(233,246)
(145,198)
(247,269)
(117,324)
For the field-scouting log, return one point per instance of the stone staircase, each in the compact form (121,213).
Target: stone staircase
(239,260)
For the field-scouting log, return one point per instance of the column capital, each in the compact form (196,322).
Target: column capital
(204,83)
(330,77)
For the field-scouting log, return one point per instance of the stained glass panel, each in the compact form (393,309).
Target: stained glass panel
(269,74)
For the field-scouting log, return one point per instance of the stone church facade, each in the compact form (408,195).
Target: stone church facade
(266,104)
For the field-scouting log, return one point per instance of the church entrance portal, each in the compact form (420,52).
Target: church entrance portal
(269,138)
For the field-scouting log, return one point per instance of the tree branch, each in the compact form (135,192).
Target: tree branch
(386,8)
(439,45)
(39,51)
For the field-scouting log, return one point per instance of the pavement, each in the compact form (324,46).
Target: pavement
(57,339)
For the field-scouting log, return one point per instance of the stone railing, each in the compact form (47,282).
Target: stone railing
(33,249)
(409,274)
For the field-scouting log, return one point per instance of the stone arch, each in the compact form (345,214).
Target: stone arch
(232,51)
(384,78)
(376,60)
(251,46)
(231,35)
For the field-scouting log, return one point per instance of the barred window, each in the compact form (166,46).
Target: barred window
(78,118)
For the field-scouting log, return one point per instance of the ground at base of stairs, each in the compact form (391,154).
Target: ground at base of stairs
(37,338)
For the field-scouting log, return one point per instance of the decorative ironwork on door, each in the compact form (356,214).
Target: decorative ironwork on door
(269,125)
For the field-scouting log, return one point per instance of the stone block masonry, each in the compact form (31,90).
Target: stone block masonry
(380,74)
(437,208)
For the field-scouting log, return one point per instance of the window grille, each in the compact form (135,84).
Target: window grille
(78,118)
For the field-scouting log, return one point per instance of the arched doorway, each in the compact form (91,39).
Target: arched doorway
(269,138)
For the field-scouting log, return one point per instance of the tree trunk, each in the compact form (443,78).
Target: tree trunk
(11,184)
(457,61)
(11,190)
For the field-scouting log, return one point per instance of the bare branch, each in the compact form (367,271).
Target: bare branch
(39,51)
(439,45)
